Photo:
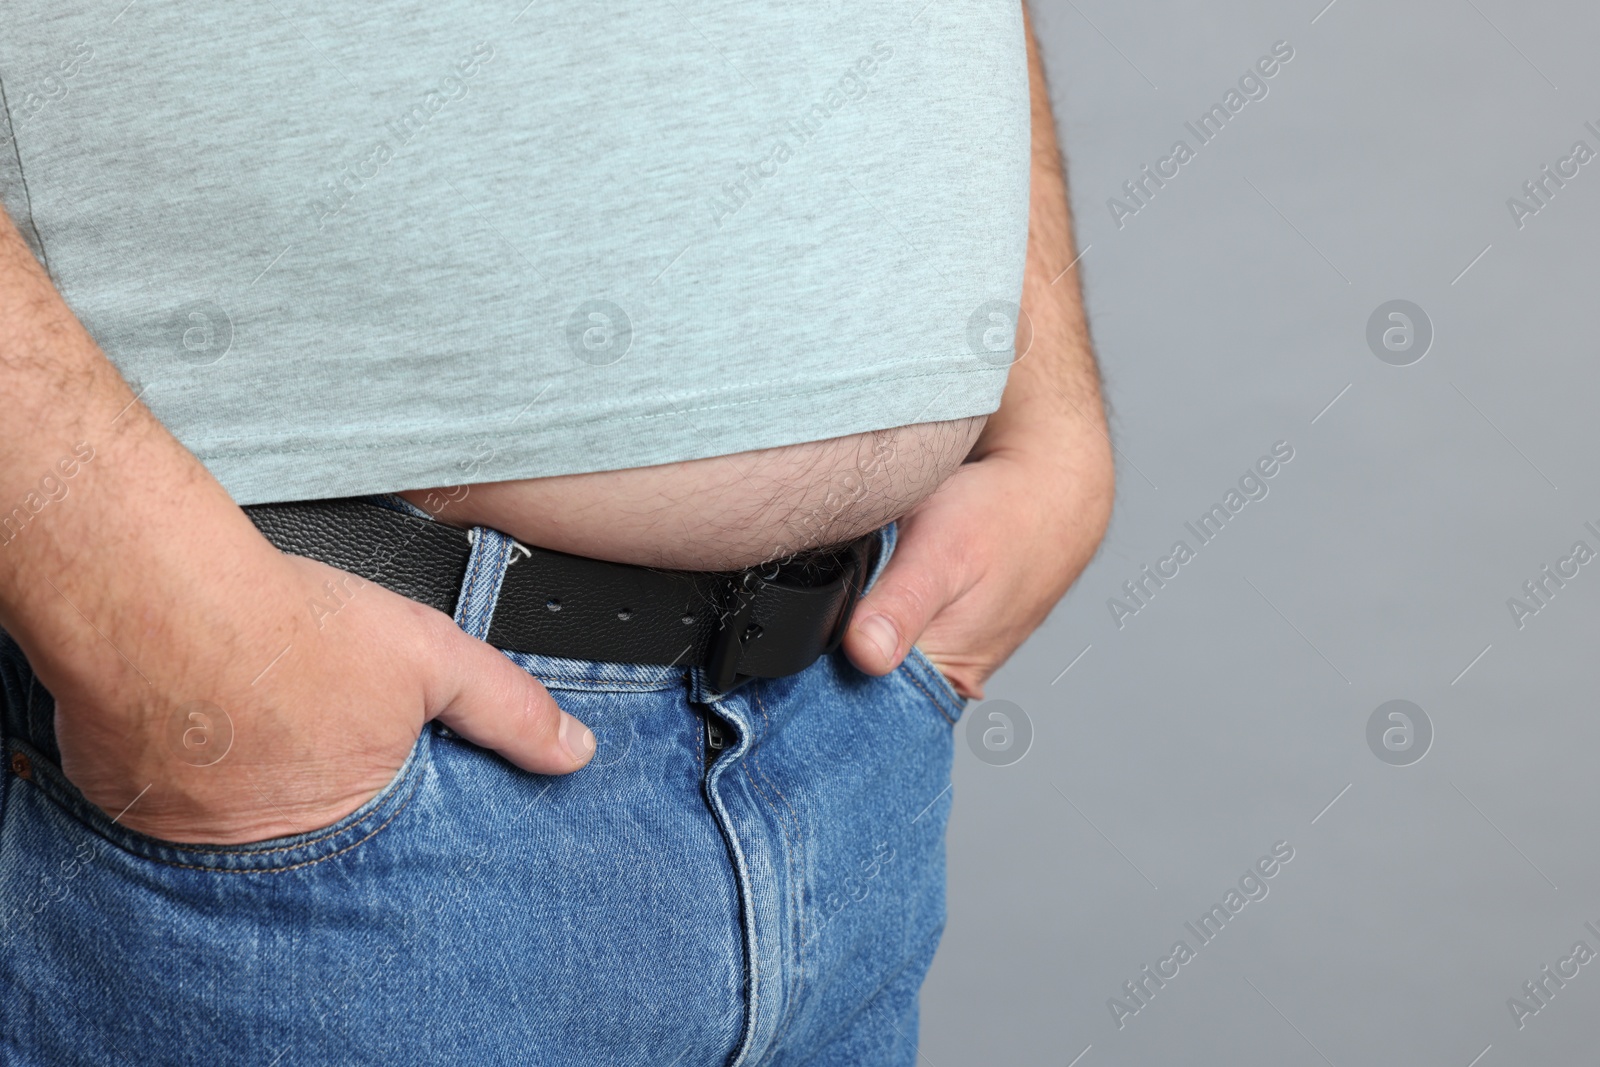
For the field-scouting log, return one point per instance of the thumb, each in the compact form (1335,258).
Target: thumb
(481,695)
(913,589)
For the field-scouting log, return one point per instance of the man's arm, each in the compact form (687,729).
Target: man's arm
(135,586)
(1056,387)
(981,562)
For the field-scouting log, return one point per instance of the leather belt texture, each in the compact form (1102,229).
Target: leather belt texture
(763,622)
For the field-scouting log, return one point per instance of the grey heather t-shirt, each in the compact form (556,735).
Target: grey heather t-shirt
(347,247)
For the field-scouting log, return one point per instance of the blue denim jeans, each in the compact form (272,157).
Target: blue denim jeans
(781,908)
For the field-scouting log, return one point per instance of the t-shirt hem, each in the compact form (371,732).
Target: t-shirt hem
(300,466)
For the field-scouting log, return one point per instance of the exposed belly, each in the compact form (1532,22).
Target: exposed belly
(725,512)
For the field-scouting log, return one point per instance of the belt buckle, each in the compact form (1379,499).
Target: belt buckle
(734,631)
(863,554)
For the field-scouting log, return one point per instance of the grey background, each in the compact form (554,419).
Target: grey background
(1230,711)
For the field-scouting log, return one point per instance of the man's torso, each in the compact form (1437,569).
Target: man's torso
(573,250)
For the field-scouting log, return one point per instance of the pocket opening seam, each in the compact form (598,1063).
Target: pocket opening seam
(62,795)
(393,815)
(952,698)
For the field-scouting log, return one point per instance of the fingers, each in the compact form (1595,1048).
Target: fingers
(916,585)
(481,695)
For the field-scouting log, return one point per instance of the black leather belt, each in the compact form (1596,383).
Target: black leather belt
(762,622)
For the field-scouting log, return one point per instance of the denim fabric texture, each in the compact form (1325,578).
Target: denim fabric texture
(781,908)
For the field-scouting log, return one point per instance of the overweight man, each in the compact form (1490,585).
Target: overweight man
(501,506)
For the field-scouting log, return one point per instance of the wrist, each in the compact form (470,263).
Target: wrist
(1066,467)
(122,556)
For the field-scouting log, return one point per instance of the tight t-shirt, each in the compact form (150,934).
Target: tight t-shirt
(343,247)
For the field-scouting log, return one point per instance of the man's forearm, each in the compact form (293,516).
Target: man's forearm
(1052,408)
(95,496)
(137,589)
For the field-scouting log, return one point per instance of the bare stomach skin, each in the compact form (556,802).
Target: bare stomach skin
(724,512)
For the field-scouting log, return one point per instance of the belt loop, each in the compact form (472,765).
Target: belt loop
(492,553)
(396,502)
(888,537)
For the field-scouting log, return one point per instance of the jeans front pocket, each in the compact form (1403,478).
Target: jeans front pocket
(115,944)
(271,856)
(934,685)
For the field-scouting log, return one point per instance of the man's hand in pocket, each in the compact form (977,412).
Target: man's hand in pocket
(285,700)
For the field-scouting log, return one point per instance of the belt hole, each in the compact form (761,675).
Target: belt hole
(554,603)
(625,614)
(687,620)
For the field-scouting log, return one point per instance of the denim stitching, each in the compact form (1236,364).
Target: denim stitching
(480,590)
(30,707)
(67,804)
(906,666)
(603,685)
(797,886)
(888,538)
(937,703)
(783,824)
(320,859)
(741,867)
(790,859)
(469,587)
